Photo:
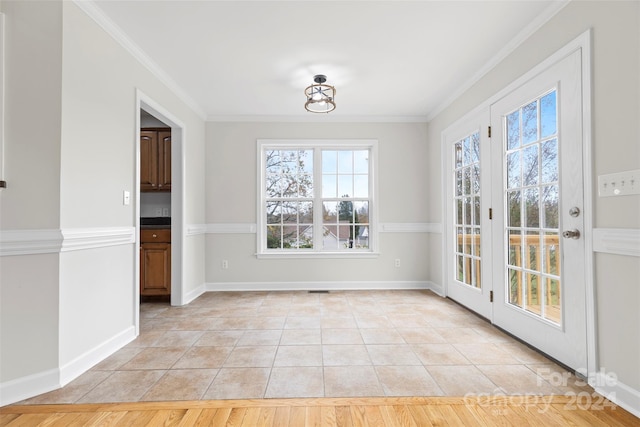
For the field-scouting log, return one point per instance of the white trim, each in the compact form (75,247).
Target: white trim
(2,92)
(311,286)
(436,288)
(192,295)
(511,46)
(32,385)
(81,364)
(318,118)
(584,43)
(231,228)
(178,203)
(196,229)
(410,227)
(618,241)
(90,238)
(30,242)
(110,27)
(619,393)
(295,254)
(42,382)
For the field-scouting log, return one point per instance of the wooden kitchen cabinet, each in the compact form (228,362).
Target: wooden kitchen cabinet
(155,262)
(155,159)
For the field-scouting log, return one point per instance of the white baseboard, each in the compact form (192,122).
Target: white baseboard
(192,295)
(312,286)
(619,393)
(81,364)
(52,379)
(436,288)
(32,385)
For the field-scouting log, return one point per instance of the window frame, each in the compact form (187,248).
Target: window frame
(317,146)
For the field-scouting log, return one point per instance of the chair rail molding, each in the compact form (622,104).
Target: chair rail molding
(618,241)
(50,241)
(30,242)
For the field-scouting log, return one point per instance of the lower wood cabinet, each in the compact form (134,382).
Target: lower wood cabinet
(155,262)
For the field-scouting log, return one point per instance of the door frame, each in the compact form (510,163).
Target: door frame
(177,200)
(582,43)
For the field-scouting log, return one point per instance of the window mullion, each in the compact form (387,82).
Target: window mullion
(317,199)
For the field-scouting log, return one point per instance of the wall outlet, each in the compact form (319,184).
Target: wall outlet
(397,262)
(225,264)
(619,184)
(165,211)
(158,211)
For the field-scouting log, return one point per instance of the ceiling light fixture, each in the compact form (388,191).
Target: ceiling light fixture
(320,97)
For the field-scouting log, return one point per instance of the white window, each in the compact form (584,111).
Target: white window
(316,197)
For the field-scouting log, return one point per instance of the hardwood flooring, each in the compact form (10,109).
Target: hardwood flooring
(409,411)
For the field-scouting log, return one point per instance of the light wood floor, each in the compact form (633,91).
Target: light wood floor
(424,411)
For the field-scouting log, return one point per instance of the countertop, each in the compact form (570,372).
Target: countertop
(160,222)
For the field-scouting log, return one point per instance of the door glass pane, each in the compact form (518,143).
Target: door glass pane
(513,130)
(467,209)
(548,113)
(531,204)
(530,123)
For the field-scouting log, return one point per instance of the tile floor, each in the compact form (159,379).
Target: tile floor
(299,344)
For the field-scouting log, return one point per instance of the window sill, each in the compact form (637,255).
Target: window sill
(319,255)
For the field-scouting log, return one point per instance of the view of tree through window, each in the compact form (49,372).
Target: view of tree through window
(466,175)
(289,191)
(532,197)
(317,199)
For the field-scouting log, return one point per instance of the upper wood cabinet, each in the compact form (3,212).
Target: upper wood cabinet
(155,159)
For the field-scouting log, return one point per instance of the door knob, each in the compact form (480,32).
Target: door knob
(571,234)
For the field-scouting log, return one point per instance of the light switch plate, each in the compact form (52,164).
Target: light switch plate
(126,197)
(619,184)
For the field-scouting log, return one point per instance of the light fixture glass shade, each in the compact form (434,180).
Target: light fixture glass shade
(320,96)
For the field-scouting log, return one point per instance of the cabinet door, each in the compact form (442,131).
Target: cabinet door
(148,160)
(155,269)
(164,160)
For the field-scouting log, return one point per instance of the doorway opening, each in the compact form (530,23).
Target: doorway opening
(164,207)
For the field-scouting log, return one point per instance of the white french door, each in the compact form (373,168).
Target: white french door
(466,155)
(539,275)
(525,268)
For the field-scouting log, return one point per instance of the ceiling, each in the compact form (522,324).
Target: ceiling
(389,60)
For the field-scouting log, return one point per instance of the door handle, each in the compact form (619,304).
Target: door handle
(571,234)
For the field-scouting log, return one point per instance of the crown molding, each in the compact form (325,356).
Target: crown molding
(509,47)
(110,27)
(316,118)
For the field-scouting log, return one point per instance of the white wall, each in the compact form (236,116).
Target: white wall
(33,85)
(29,284)
(616,138)
(75,304)
(232,196)
(100,79)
